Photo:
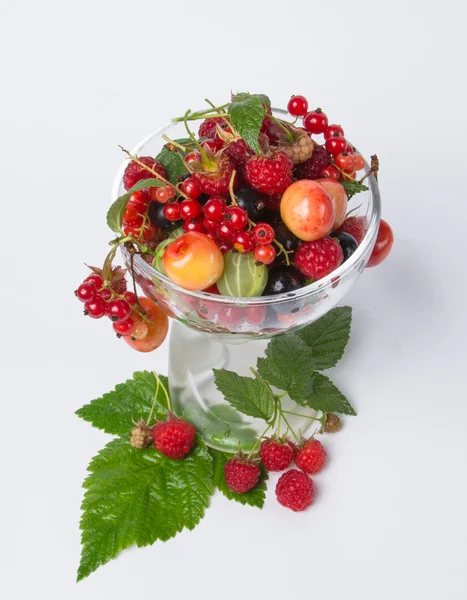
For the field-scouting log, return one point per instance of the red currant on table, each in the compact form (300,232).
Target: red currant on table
(191,188)
(331,129)
(359,162)
(263,233)
(96,280)
(86,291)
(315,121)
(214,209)
(172,211)
(330,172)
(118,310)
(224,233)
(236,218)
(297,106)
(335,144)
(95,308)
(243,241)
(124,327)
(265,254)
(345,161)
(130,297)
(196,224)
(190,209)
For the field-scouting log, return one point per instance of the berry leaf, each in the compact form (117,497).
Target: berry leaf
(250,396)
(353,187)
(288,365)
(247,117)
(138,497)
(242,96)
(326,397)
(254,497)
(327,337)
(173,162)
(115,411)
(117,210)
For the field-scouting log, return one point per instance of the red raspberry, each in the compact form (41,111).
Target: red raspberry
(354,227)
(319,258)
(311,168)
(294,490)
(239,152)
(135,172)
(241,475)
(269,173)
(213,178)
(208,128)
(174,438)
(275,454)
(311,457)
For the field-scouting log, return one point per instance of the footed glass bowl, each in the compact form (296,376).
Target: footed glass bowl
(211,331)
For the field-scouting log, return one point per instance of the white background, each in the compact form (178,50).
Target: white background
(78,79)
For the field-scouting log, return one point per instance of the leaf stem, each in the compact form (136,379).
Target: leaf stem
(258,441)
(164,389)
(288,412)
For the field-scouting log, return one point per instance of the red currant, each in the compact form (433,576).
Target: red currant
(330,172)
(263,233)
(331,129)
(191,188)
(210,234)
(232,315)
(95,308)
(130,297)
(236,218)
(105,294)
(196,224)
(210,226)
(225,233)
(315,121)
(138,232)
(163,194)
(86,291)
(140,199)
(255,315)
(214,209)
(345,161)
(190,209)
(118,310)
(297,106)
(224,246)
(265,254)
(335,144)
(124,327)
(243,241)
(172,211)
(96,280)
(359,162)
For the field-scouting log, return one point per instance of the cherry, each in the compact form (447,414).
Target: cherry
(191,188)
(383,245)
(315,121)
(236,218)
(190,209)
(335,144)
(118,310)
(297,106)
(265,254)
(124,327)
(359,162)
(86,291)
(196,224)
(331,129)
(147,337)
(214,209)
(243,241)
(263,233)
(130,297)
(95,308)
(224,233)
(345,161)
(96,280)
(172,211)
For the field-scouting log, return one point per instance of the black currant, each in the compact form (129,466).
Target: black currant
(348,243)
(282,279)
(252,203)
(157,218)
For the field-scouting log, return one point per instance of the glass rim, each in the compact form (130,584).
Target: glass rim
(308,290)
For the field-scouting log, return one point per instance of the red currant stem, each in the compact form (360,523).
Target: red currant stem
(174,143)
(283,251)
(193,138)
(346,175)
(150,169)
(158,383)
(374,168)
(258,441)
(289,136)
(233,197)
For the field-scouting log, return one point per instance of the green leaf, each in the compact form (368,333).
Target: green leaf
(140,496)
(288,365)
(173,162)
(327,398)
(327,337)
(242,96)
(254,497)
(353,187)
(247,117)
(115,411)
(115,212)
(250,396)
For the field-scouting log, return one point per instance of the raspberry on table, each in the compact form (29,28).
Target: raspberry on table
(311,457)
(311,168)
(317,259)
(295,490)
(135,172)
(275,454)
(174,438)
(270,173)
(241,475)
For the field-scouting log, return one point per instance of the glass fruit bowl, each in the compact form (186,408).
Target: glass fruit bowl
(210,331)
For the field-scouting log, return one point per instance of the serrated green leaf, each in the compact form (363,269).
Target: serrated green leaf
(288,365)
(247,117)
(250,396)
(353,187)
(115,411)
(242,96)
(327,337)
(254,497)
(327,398)
(138,497)
(173,162)
(117,209)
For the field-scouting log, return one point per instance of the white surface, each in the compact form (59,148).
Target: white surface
(390,520)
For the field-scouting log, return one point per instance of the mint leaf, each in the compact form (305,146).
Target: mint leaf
(173,162)
(247,117)
(254,497)
(327,337)
(115,212)
(288,365)
(140,496)
(327,398)
(353,187)
(115,411)
(242,96)
(250,396)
